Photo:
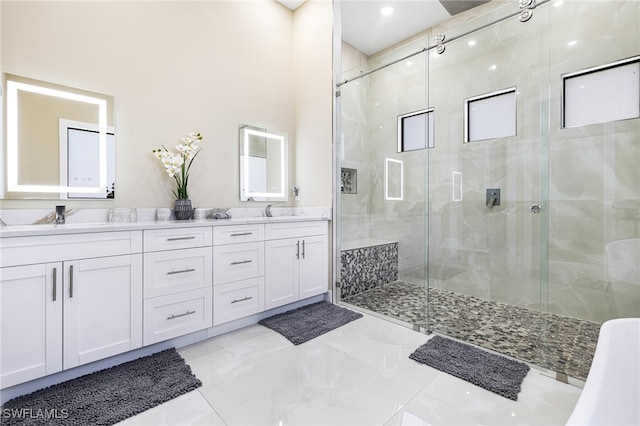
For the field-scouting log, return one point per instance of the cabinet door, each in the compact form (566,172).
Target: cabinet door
(30,322)
(313,275)
(281,271)
(102,308)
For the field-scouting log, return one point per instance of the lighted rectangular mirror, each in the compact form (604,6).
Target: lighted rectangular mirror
(263,164)
(40,149)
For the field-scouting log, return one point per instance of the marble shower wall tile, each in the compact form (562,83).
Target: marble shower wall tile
(576,231)
(621,299)
(354,208)
(595,167)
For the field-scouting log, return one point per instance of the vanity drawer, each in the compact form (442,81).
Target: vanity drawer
(232,234)
(235,262)
(276,231)
(237,300)
(171,316)
(177,238)
(54,248)
(167,272)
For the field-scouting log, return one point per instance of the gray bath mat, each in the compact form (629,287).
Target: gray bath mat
(492,372)
(302,324)
(107,396)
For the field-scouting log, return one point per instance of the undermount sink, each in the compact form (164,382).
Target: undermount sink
(285,218)
(272,219)
(82,225)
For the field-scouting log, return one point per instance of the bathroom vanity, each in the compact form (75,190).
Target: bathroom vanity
(74,294)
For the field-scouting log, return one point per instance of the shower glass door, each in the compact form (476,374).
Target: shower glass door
(508,229)
(383,186)
(488,180)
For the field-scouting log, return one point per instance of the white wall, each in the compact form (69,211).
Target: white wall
(312,36)
(177,67)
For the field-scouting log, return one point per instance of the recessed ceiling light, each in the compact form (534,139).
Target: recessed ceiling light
(572,43)
(409,63)
(558,3)
(386,11)
(472,43)
(493,67)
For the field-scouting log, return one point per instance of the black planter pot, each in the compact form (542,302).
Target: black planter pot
(183,209)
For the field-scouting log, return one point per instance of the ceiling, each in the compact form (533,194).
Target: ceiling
(366,29)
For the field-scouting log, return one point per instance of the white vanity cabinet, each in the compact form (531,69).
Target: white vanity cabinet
(177,282)
(31,322)
(68,300)
(296,262)
(238,264)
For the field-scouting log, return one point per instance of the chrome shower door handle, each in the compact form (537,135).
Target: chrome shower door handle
(535,208)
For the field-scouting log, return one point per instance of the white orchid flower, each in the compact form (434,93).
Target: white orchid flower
(177,164)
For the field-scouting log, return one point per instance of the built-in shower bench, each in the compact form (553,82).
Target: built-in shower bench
(366,264)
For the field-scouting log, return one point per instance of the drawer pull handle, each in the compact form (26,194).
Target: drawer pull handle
(240,262)
(181,271)
(181,315)
(181,238)
(242,300)
(55,283)
(238,234)
(70,281)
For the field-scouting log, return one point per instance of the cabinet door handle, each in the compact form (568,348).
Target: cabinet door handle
(181,315)
(240,262)
(70,281)
(55,283)
(298,249)
(238,234)
(303,249)
(242,300)
(182,271)
(181,238)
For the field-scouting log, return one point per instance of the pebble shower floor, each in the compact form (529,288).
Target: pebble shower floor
(558,343)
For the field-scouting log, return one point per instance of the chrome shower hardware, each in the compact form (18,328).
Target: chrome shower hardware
(527,7)
(440,47)
(492,197)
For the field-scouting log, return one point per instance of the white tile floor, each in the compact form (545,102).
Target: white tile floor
(359,374)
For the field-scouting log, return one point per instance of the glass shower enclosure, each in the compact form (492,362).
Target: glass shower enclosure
(469,202)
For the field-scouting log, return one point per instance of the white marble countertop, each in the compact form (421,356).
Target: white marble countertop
(85,227)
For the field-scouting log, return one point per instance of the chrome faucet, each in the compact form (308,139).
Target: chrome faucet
(267,210)
(60,210)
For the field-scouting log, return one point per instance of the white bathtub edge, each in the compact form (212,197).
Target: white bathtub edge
(612,389)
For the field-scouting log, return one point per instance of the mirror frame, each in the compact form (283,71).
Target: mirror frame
(247,195)
(13,87)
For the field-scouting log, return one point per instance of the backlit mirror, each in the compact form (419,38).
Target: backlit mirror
(59,141)
(263,164)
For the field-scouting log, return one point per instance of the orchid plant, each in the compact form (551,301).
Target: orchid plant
(177,165)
